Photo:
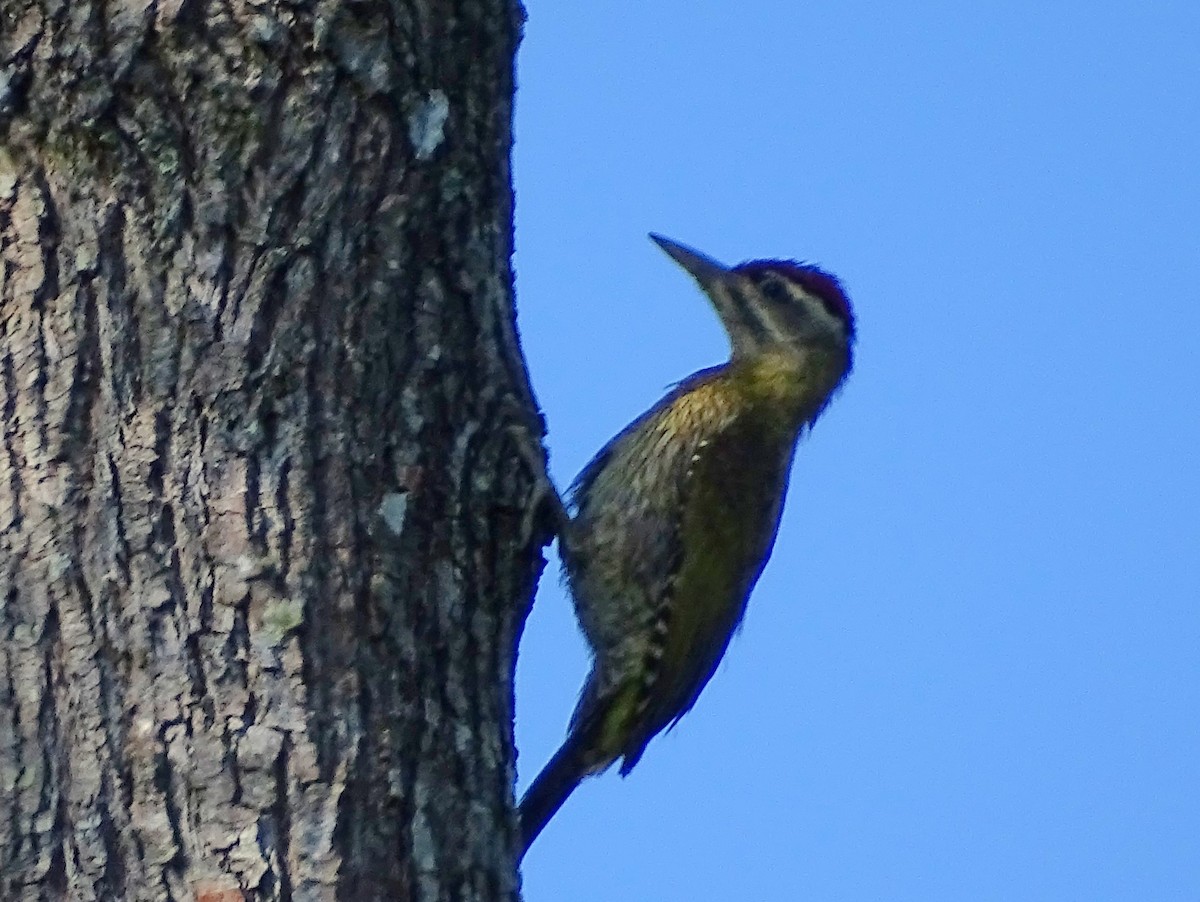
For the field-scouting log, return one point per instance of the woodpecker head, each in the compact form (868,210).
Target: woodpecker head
(772,305)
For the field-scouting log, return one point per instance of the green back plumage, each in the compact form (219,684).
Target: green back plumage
(676,518)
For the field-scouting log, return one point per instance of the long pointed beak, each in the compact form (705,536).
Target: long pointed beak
(701,267)
(721,286)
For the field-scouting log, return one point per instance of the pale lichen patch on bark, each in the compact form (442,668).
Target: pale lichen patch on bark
(393,508)
(427,124)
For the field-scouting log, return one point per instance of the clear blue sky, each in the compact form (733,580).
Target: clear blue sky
(971,670)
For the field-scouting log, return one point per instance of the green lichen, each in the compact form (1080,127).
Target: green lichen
(280,618)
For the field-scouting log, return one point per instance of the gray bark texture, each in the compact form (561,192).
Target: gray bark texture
(266,541)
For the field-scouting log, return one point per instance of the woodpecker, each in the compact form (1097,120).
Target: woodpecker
(676,516)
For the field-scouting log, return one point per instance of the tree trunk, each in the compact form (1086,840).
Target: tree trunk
(264,544)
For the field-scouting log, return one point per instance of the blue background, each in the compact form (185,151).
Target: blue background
(971,670)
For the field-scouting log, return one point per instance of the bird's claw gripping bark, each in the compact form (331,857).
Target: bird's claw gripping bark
(545,502)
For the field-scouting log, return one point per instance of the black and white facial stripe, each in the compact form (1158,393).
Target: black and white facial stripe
(763,305)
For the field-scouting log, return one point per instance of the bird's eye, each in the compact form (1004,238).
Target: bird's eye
(773,287)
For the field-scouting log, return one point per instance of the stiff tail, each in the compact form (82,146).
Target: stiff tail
(552,787)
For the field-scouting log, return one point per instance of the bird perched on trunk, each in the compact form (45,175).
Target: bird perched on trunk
(676,516)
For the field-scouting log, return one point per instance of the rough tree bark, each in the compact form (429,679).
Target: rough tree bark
(264,544)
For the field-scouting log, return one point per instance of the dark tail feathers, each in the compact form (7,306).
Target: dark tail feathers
(553,785)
